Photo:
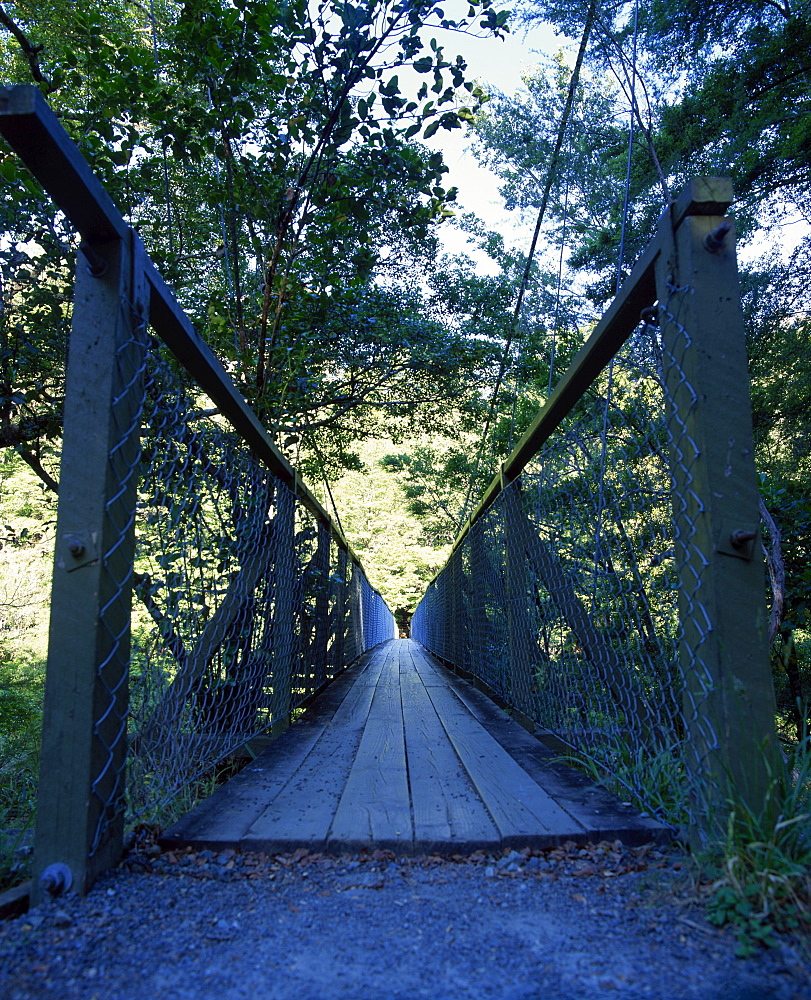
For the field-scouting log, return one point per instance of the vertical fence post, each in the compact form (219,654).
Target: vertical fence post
(355,609)
(519,625)
(82,784)
(285,643)
(480,637)
(340,585)
(728,696)
(321,628)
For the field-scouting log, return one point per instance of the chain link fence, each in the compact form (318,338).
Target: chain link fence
(243,604)
(200,592)
(579,596)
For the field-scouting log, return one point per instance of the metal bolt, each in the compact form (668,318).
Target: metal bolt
(650,316)
(76,549)
(714,240)
(56,879)
(738,539)
(96,264)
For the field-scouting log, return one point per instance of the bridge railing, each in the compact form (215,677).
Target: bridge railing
(609,587)
(200,592)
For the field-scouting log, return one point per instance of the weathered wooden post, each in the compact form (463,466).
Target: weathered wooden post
(339,584)
(321,627)
(520,641)
(285,641)
(355,603)
(728,698)
(80,809)
(480,636)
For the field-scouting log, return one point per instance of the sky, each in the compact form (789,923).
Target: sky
(498,64)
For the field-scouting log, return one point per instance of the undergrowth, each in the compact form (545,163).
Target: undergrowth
(761,869)
(20,724)
(757,875)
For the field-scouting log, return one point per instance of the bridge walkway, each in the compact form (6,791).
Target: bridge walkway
(398,753)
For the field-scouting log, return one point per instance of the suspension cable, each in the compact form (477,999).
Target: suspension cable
(321,464)
(555,319)
(550,177)
(620,263)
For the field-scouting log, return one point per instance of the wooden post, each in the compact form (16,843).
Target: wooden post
(522,655)
(728,698)
(355,602)
(480,636)
(321,627)
(339,614)
(80,810)
(284,638)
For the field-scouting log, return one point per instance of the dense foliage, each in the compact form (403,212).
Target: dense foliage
(715,89)
(269,156)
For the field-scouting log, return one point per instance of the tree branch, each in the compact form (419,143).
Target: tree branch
(33,461)
(30,51)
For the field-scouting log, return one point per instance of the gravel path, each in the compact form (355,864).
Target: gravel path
(562,924)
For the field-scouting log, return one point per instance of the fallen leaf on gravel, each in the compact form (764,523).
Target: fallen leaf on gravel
(579,897)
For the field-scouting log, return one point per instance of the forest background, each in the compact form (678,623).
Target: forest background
(280,162)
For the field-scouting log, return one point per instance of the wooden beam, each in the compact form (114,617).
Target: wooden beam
(728,705)
(708,196)
(84,739)
(35,134)
(701,196)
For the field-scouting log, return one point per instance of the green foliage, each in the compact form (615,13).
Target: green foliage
(650,779)
(269,156)
(26,547)
(762,884)
(389,540)
(433,479)
(21,688)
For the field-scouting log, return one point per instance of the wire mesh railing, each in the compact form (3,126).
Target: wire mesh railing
(242,609)
(608,588)
(200,592)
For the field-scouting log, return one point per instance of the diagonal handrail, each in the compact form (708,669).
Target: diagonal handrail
(703,196)
(268,549)
(36,135)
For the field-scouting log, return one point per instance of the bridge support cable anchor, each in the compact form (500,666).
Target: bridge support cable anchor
(714,240)
(56,879)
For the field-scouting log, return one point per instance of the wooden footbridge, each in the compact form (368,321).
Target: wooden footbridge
(399,753)
(253,607)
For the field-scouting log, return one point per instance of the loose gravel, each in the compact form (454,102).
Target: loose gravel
(570,923)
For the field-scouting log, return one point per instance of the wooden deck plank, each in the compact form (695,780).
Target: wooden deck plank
(595,808)
(601,813)
(301,812)
(521,809)
(448,812)
(222,819)
(400,753)
(375,808)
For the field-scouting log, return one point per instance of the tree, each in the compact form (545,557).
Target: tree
(268,156)
(715,88)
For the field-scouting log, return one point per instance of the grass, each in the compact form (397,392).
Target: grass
(21,684)
(756,877)
(761,869)
(26,558)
